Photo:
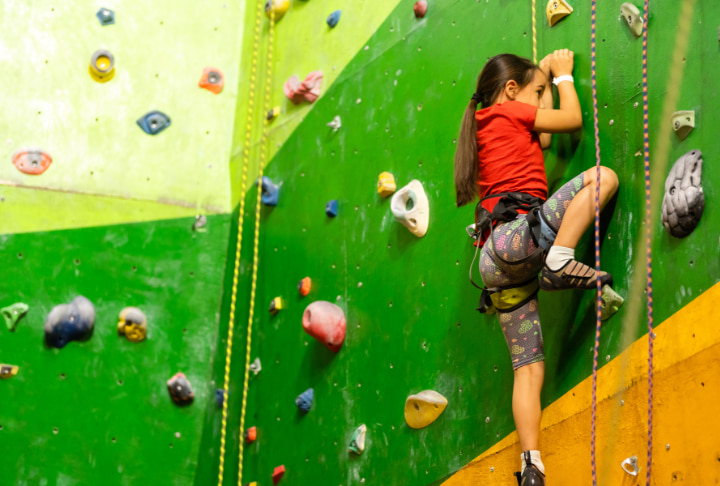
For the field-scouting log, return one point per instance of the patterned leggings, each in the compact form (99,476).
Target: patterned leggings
(510,257)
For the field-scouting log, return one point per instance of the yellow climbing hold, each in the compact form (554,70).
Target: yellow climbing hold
(422,409)
(279,6)
(556,10)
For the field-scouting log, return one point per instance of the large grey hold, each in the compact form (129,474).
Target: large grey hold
(684,201)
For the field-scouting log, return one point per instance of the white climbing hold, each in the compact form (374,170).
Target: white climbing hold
(255,366)
(632,17)
(336,123)
(417,216)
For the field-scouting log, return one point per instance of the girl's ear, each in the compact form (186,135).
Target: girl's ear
(511,89)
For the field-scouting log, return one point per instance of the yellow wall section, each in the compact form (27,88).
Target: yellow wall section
(686,390)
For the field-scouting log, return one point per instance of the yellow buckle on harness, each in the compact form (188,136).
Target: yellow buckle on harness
(508,298)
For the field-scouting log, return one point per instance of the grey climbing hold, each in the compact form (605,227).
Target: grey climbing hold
(200,223)
(684,201)
(13,314)
(683,123)
(180,389)
(69,322)
(357,443)
(611,302)
(632,17)
(255,366)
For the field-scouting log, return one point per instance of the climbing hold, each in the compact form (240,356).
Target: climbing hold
(278,474)
(410,207)
(611,302)
(8,371)
(251,435)
(556,10)
(102,66)
(270,192)
(304,400)
(200,223)
(684,201)
(276,305)
(386,184)
(31,161)
(254,483)
(632,17)
(69,322)
(106,16)
(13,314)
(334,18)
(272,114)
(336,123)
(307,90)
(278,6)
(683,123)
(180,389)
(154,122)
(220,397)
(630,466)
(133,324)
(255,366)
(304,286)
(331,208)
(325,322)
(420,8)
(422,409)
(212,79)
(357,443)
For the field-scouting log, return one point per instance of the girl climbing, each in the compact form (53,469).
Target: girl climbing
(523,232)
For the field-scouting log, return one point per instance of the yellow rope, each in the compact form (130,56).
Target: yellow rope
(534,27)
(231,319)
(253,288)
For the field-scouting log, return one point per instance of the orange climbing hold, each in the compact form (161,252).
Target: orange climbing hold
(278,474)
(251,435)
(31,161)
(212,80)
(304,286)
(307,90)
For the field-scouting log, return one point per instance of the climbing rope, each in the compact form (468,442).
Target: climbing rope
(253,287)
(238,248)
(534,32)
(597,247)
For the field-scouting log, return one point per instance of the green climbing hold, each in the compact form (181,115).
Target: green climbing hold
(525,326)
(13,314)
(611,302)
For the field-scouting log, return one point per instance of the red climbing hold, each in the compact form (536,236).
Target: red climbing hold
(304,286)
(325,322)
(420,8)
(278,474)
(307,90)
(31,161)
(212,80)
(251,435)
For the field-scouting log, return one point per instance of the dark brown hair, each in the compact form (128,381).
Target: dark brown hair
(491,82)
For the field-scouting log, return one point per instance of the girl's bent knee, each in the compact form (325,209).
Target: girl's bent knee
(609,178)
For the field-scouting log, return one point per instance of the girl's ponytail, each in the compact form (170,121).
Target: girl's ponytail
(466,157)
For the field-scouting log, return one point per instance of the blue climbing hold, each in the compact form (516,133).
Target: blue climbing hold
(106,16)
(331,208)
(154,122)
(69,322)
(270,192)
(334,18)
(220,397)
(304,400)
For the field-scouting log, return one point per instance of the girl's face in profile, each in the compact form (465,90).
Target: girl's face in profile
(533,91)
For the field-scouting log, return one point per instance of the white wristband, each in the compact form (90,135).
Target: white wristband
(564,77)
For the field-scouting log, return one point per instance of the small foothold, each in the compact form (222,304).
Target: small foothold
(411,208)
(212,79)
(304,286)
(106,16)
(386,184)
(336,123)
(180,389)
(13,313)
(270,192)
(272,114)
(276,305)
(308,90)
(325,322)
(254,483)
(278,474)
(556,10)
(632,17)
(683,123)
(220,397)
(69,322)
(611,302)
(331,208)
(684,201)
(422,409)
(250,435)
(420,8)
(278,6)
(154,122)
(102,66)
(255,367)
(304,400)
(357,443)
(8,371)
(133,324)
(334,18)
(31,161)
(200,223)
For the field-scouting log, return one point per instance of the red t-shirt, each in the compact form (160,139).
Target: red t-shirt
(509,151)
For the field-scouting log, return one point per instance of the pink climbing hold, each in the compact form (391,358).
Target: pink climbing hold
(420,8)
(307,90)
(325,322)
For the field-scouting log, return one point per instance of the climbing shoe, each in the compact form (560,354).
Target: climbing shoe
(572,275)
(532,475)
